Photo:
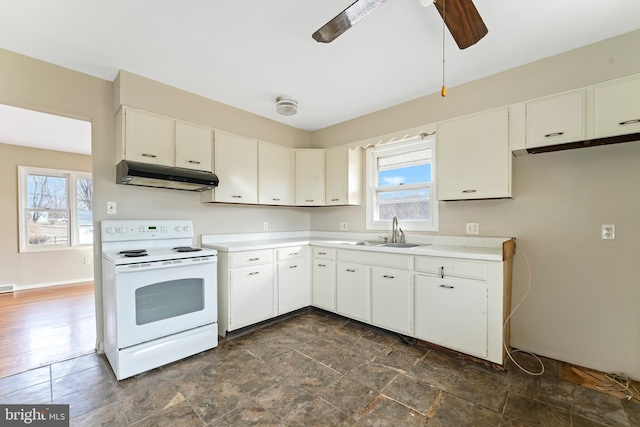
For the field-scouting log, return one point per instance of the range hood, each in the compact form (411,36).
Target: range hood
(149,175)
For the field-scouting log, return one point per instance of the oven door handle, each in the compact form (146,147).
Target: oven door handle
(158,265)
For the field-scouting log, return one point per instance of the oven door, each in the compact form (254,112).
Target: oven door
(161,298)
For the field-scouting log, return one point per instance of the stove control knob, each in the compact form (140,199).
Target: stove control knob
(178,228)
(186,228)
(111,230)
(122,230)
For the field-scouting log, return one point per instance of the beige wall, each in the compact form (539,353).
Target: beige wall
(35,268)
(583,304)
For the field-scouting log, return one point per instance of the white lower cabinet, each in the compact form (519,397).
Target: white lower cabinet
(323,279)
(452,313)
(392,299)
(251,295)
(294,289)
(352,291)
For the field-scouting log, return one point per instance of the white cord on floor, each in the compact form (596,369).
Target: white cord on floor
(620,384)
(504,326)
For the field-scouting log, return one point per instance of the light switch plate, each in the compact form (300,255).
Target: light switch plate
(111,208)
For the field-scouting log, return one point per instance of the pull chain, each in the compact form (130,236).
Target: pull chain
(443,91)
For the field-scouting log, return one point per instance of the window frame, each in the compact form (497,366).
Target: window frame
(420,142)
(72,207)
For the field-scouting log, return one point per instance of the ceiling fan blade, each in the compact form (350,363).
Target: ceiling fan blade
(345,20)
(463,20)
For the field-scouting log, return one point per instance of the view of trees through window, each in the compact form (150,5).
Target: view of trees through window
(401,189)
(49,202)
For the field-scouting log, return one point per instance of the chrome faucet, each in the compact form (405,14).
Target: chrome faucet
(396,231)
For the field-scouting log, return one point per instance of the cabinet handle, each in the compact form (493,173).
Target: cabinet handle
(322,253)
(334,200)
(552,134)
(195,162)
(253,273)
(293,253)
(387,277)
(275,199)
(628,122)
(442,272)
(237,197)
(309,200)
(322,265)
(293,266)
(350,270)
(149,155)
(253,259)
(469,191)
(446,286)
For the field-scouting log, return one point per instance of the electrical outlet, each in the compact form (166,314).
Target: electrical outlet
(473,228)
(608,232)
(87,261)
(111,208)
(343,226)
(265,226)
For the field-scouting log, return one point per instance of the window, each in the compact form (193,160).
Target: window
(401,181)
(55,209)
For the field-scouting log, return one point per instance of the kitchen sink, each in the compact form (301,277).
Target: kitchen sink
(400,245)
(361,243)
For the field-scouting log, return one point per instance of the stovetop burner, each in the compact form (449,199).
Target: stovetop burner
(133,253)
(186,249)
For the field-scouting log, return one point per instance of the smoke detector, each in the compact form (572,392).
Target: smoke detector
(286,105)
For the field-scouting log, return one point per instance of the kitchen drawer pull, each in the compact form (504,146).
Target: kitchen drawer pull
(469,191)
(253,259)
(253,273)
(446,286)
(350,270)
(322,265)
(442,272)
(293,266)
(237,197)
(388,277)
(552,134)
(628,122)
(309,200)
(153,156)
(275,199)
(334,200)
(322,253)
(195,162)
(293,253)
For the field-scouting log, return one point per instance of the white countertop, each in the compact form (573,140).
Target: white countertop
(477,248)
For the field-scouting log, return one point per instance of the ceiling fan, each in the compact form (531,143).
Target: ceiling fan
(460,16)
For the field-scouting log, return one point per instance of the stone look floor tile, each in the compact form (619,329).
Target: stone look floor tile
(285,399)
(438,369)
(389,413)
(88,399)
(36,394)
(482,386)
(110,415)
(219,401)
(24,380)
(318,413)
(79,381)
(374,375)
(580,421)
(632,408)
(180,415)
(78,364)
(454,411)
(348,395)
(415,394)
(151,401)
(534,412)
(251,415)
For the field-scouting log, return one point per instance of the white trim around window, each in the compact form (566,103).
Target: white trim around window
(54,216)
(396,156)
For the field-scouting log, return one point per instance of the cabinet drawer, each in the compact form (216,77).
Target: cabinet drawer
(455,268)
(382,259)
(293,252)
(324,253)
(243,259)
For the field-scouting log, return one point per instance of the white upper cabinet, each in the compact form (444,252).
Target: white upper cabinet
(617,107)
(147,137)
(236,165)
(343,176)
(275,174)
(310,177)
(555,120)
(193,146)
(473,156)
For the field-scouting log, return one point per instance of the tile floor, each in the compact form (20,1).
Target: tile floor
(316,369)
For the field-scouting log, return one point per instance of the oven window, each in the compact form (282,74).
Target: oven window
(165,300)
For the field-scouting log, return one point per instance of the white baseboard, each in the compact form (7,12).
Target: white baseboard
(44,285)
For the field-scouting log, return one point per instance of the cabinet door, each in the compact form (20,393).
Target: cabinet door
(148,137)
(323,291)
(309,177)
(343,176)
(473,157)
(452,313)
(556,120)
(391,299)
(236,165)
(617,107)
(193,146)
(352,291)
(294,291)
(251,295)
(275,175)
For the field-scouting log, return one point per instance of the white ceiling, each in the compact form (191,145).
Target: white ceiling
(245,53)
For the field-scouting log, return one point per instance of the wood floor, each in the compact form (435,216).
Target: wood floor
(41,326)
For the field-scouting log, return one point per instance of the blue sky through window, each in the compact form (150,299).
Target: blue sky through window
(407,175)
